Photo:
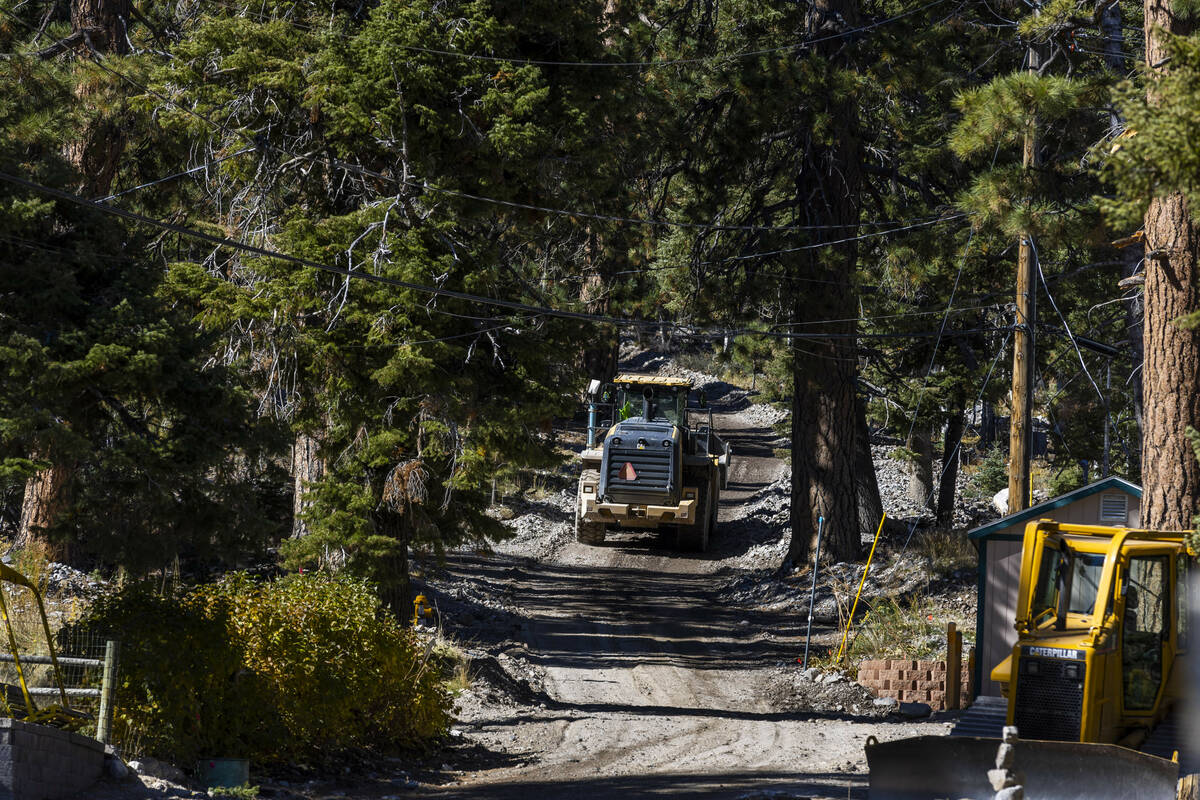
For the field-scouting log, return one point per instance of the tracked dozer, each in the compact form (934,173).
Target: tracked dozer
(652,461)
(1103,636)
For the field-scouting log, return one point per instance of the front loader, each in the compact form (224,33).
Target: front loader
(649,464)
(1100,661)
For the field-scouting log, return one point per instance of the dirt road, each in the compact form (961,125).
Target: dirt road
(642,682)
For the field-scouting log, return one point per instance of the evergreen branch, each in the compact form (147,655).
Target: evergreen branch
(78,37)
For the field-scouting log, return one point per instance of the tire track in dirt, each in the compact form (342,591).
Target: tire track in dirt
(654,688)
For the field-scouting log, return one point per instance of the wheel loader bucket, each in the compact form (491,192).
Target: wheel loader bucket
(941,767)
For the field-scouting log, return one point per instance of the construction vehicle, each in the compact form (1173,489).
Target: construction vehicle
(1102,620)
(646,466)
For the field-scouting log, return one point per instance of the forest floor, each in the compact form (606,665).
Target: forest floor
(632,670)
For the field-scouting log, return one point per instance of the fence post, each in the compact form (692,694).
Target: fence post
(972,689)
(108,689)
(953,667)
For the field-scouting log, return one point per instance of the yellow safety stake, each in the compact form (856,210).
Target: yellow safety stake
(858,594)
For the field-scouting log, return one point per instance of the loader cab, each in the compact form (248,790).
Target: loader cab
(1101,620)
(653,403)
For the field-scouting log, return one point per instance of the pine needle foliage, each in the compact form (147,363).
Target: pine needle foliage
(1160,152)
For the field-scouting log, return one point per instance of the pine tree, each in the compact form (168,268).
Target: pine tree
(1153,170)
(403,164)
(104,373)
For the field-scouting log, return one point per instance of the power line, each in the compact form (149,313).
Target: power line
(947,458)
(258,142)
(514,305)
(1071,336)
(185,173)
(521,62)
(945,319)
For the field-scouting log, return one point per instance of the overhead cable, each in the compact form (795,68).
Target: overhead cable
(514,305)
(1071,336)
(257,142)
(521,62)
(185,173)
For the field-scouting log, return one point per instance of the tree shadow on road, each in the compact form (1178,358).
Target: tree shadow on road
(601,617)
(714,786)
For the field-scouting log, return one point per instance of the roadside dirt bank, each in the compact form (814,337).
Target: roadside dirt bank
(629,670)
(625,674)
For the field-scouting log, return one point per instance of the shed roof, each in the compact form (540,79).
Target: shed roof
(1039,510)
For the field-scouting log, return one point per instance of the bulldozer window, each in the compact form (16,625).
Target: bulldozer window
(1086,584)
(1144,629)
(1049,580)
(1085,570)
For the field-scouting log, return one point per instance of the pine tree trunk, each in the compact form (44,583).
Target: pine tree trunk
(825,419)
(920,469)
(824,434)
(870,505)
(46,496)
(948,481)
(97,152)
(307,468)
(395,586)
(95,155)
(1171,371)
(1170,472)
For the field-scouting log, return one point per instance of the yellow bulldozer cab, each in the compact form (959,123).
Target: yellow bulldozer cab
(1102,623)
(1102,640)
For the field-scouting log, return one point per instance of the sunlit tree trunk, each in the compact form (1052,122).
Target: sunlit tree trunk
(920,468)
(1171,371)
(307,468)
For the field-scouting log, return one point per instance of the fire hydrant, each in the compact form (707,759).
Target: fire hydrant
(422,611)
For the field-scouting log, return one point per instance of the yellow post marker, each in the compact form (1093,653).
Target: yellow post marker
(861,583)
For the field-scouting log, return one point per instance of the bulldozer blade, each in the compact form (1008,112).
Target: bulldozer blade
(953,768)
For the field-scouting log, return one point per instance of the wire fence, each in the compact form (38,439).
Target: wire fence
(80,655)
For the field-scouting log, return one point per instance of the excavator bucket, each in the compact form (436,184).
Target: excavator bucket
(941,767)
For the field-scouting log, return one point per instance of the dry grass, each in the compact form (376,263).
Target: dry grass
(947,551)
(892,628)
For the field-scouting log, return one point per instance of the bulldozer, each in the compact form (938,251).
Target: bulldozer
(652,461)
(1099,670)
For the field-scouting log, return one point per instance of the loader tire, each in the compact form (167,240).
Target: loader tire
(694,538)
(588,532)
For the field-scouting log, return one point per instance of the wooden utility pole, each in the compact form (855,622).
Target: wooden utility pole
(1020,424)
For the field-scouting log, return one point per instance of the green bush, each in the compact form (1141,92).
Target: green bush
(305,666)
(1066,480)
(992,475)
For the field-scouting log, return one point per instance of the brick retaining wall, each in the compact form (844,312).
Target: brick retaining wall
(911,681)
(38,762)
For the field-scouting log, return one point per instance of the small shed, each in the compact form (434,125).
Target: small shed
(1110,501)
